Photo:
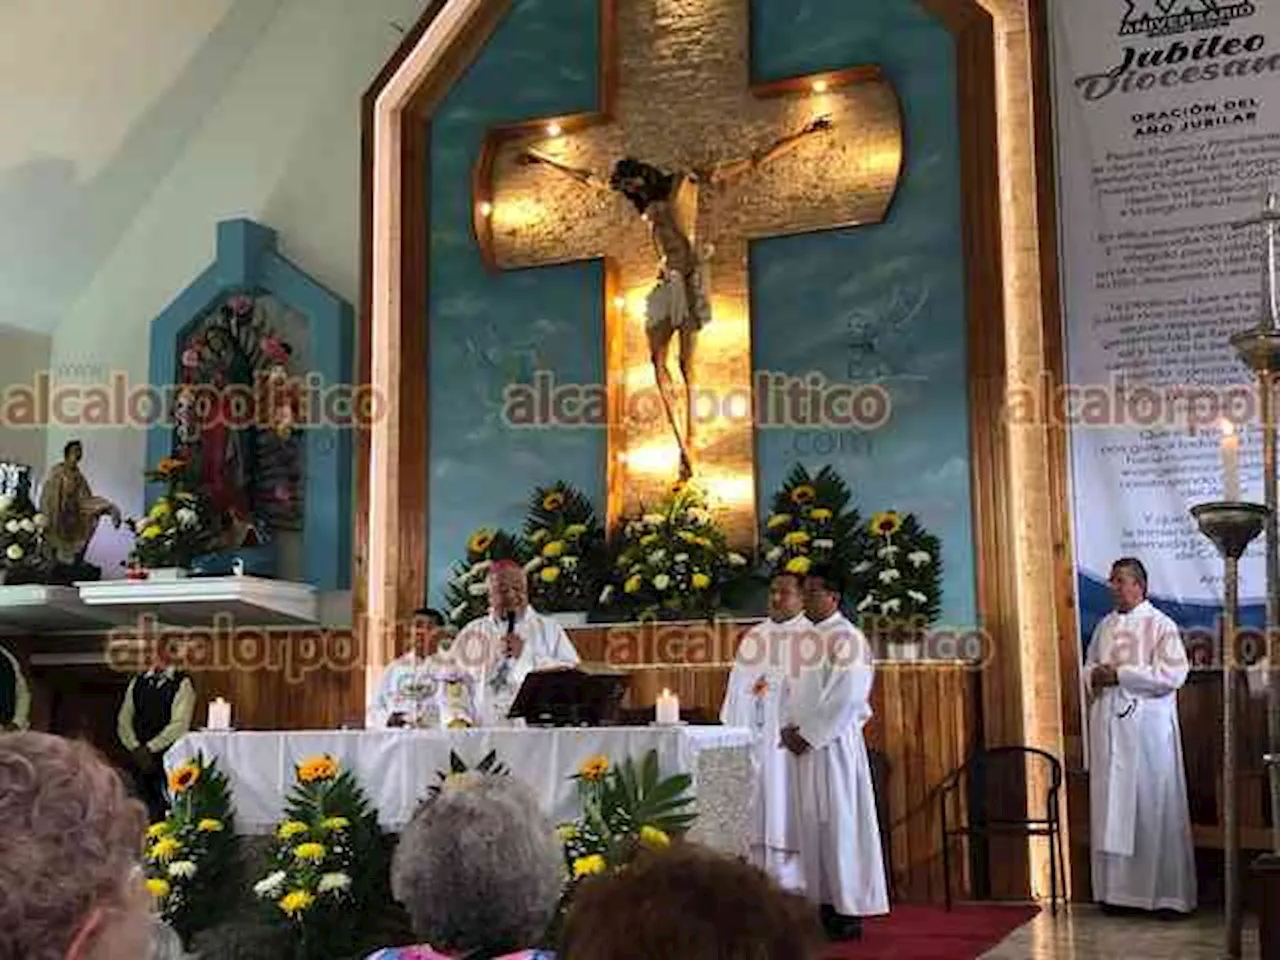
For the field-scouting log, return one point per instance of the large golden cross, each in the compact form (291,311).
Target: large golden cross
(676,93)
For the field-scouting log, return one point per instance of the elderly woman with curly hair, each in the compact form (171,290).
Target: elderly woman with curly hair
(479,870)
(70,841)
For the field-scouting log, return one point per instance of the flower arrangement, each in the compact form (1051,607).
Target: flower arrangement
(811,523)
(22,555)
(565,540)
(177,526)
(193,855)
(672,560)
(898,578)
(327,863)
(625,809)
(467,593)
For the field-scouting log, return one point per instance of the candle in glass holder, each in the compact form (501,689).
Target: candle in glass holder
(1230,462)
(219,715)
(668,708)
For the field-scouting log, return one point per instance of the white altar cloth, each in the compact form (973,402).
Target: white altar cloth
(396,768)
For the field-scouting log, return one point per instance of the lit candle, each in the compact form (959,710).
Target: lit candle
(1230,461)
(219,715)
(668,708)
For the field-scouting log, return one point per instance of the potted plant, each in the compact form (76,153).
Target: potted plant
(174,530)
(22,553)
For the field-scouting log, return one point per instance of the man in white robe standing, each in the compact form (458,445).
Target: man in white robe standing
(832,817)
(753,700)
(1140,827)
(503,647)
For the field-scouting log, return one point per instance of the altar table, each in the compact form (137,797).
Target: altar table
(396,768)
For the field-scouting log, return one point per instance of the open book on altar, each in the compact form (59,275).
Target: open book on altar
(570,697)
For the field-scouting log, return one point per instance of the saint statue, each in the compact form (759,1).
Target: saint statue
(72,512)
(678,306)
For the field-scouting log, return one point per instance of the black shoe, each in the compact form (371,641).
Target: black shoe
(840,928)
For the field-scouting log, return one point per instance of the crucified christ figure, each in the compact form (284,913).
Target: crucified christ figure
(678,306)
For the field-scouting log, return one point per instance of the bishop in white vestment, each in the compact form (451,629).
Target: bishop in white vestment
(511,641)
(753,699)
(1140,828)
(832,818)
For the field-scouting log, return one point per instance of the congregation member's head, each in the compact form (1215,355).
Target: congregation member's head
(428,630)
(1128,583)
(786,597)
(508,588)
(479,869)
(823,589)
(71,887)
(689,903)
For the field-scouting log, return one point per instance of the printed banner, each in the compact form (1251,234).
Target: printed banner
(1168,134)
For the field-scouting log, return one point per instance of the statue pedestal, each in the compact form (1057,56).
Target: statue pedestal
(207,601)
(30,609)
(1265,872)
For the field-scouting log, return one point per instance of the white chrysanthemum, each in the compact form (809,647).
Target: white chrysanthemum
(333,883)
(657,556)
(823,543)
(681,557)
(568,562)
(186,517)
(654,519)
(887,552)
(14,553)
(39,521)
(6,502)
(891,606)
(607,593)
(182,869)
(890,575)
(13,526)
(632,529)
(862,567)
(270,887)
(457,611)
(478,589)
(737,560)
(533,565)
(479,567)
(917,596)
(27,526)
(867,602)
(662,581)
(918,558)
(774,555)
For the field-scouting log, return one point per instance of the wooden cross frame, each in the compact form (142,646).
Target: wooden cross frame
(676,93)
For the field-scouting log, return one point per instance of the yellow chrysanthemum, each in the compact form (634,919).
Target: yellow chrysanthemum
(334,824)
(796,538)
(701,581)
(549,574)
(311,852)
(803,494)
(591,864)
(648,538)
(316,769)
(158,887)
(820,514)
(480,541)
(290,829)
(184,778)
(886,523)
(633,584)
(164,850)
(687,536)
(553,549)
(553,500)
(210,825)
(158,830)
(779,520)
(161,508)
(653,838)
(150,532)
(567,832)
(574,530)
(799,565)
(594,768)
(295,902)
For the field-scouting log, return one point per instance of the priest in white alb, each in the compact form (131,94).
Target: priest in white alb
(508,643)
(832,815)
(1140,827)
(753,700)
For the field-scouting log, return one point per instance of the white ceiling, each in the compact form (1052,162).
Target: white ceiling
(97,98)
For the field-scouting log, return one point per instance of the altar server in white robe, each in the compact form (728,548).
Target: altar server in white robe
(511,641)
(753,700)
(1140,827)
(832,817)
(406,691)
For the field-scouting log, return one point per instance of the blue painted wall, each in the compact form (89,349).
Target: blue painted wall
(878,304)
(489,330)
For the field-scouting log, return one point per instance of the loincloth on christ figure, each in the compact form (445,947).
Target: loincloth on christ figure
(679,300)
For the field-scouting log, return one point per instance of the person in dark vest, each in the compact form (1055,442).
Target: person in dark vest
(155,713)
(15,695)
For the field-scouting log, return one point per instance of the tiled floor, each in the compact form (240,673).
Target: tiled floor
(1084,932)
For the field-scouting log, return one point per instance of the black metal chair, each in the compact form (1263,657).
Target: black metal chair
(993,784)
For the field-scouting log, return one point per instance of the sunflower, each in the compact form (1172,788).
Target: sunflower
(803,494)
(184,778)
(587,866)
(480,541)
(315,769)
(594,768)
(295,902)
(553,501)
(885,523)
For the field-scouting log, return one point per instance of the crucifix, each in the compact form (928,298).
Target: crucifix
(686,163)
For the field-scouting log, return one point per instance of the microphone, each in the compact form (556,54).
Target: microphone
(511,621)
(504,668)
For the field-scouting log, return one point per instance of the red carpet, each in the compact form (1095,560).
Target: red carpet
(931,933)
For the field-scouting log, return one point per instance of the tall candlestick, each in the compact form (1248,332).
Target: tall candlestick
(667,710)
(1230,462)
